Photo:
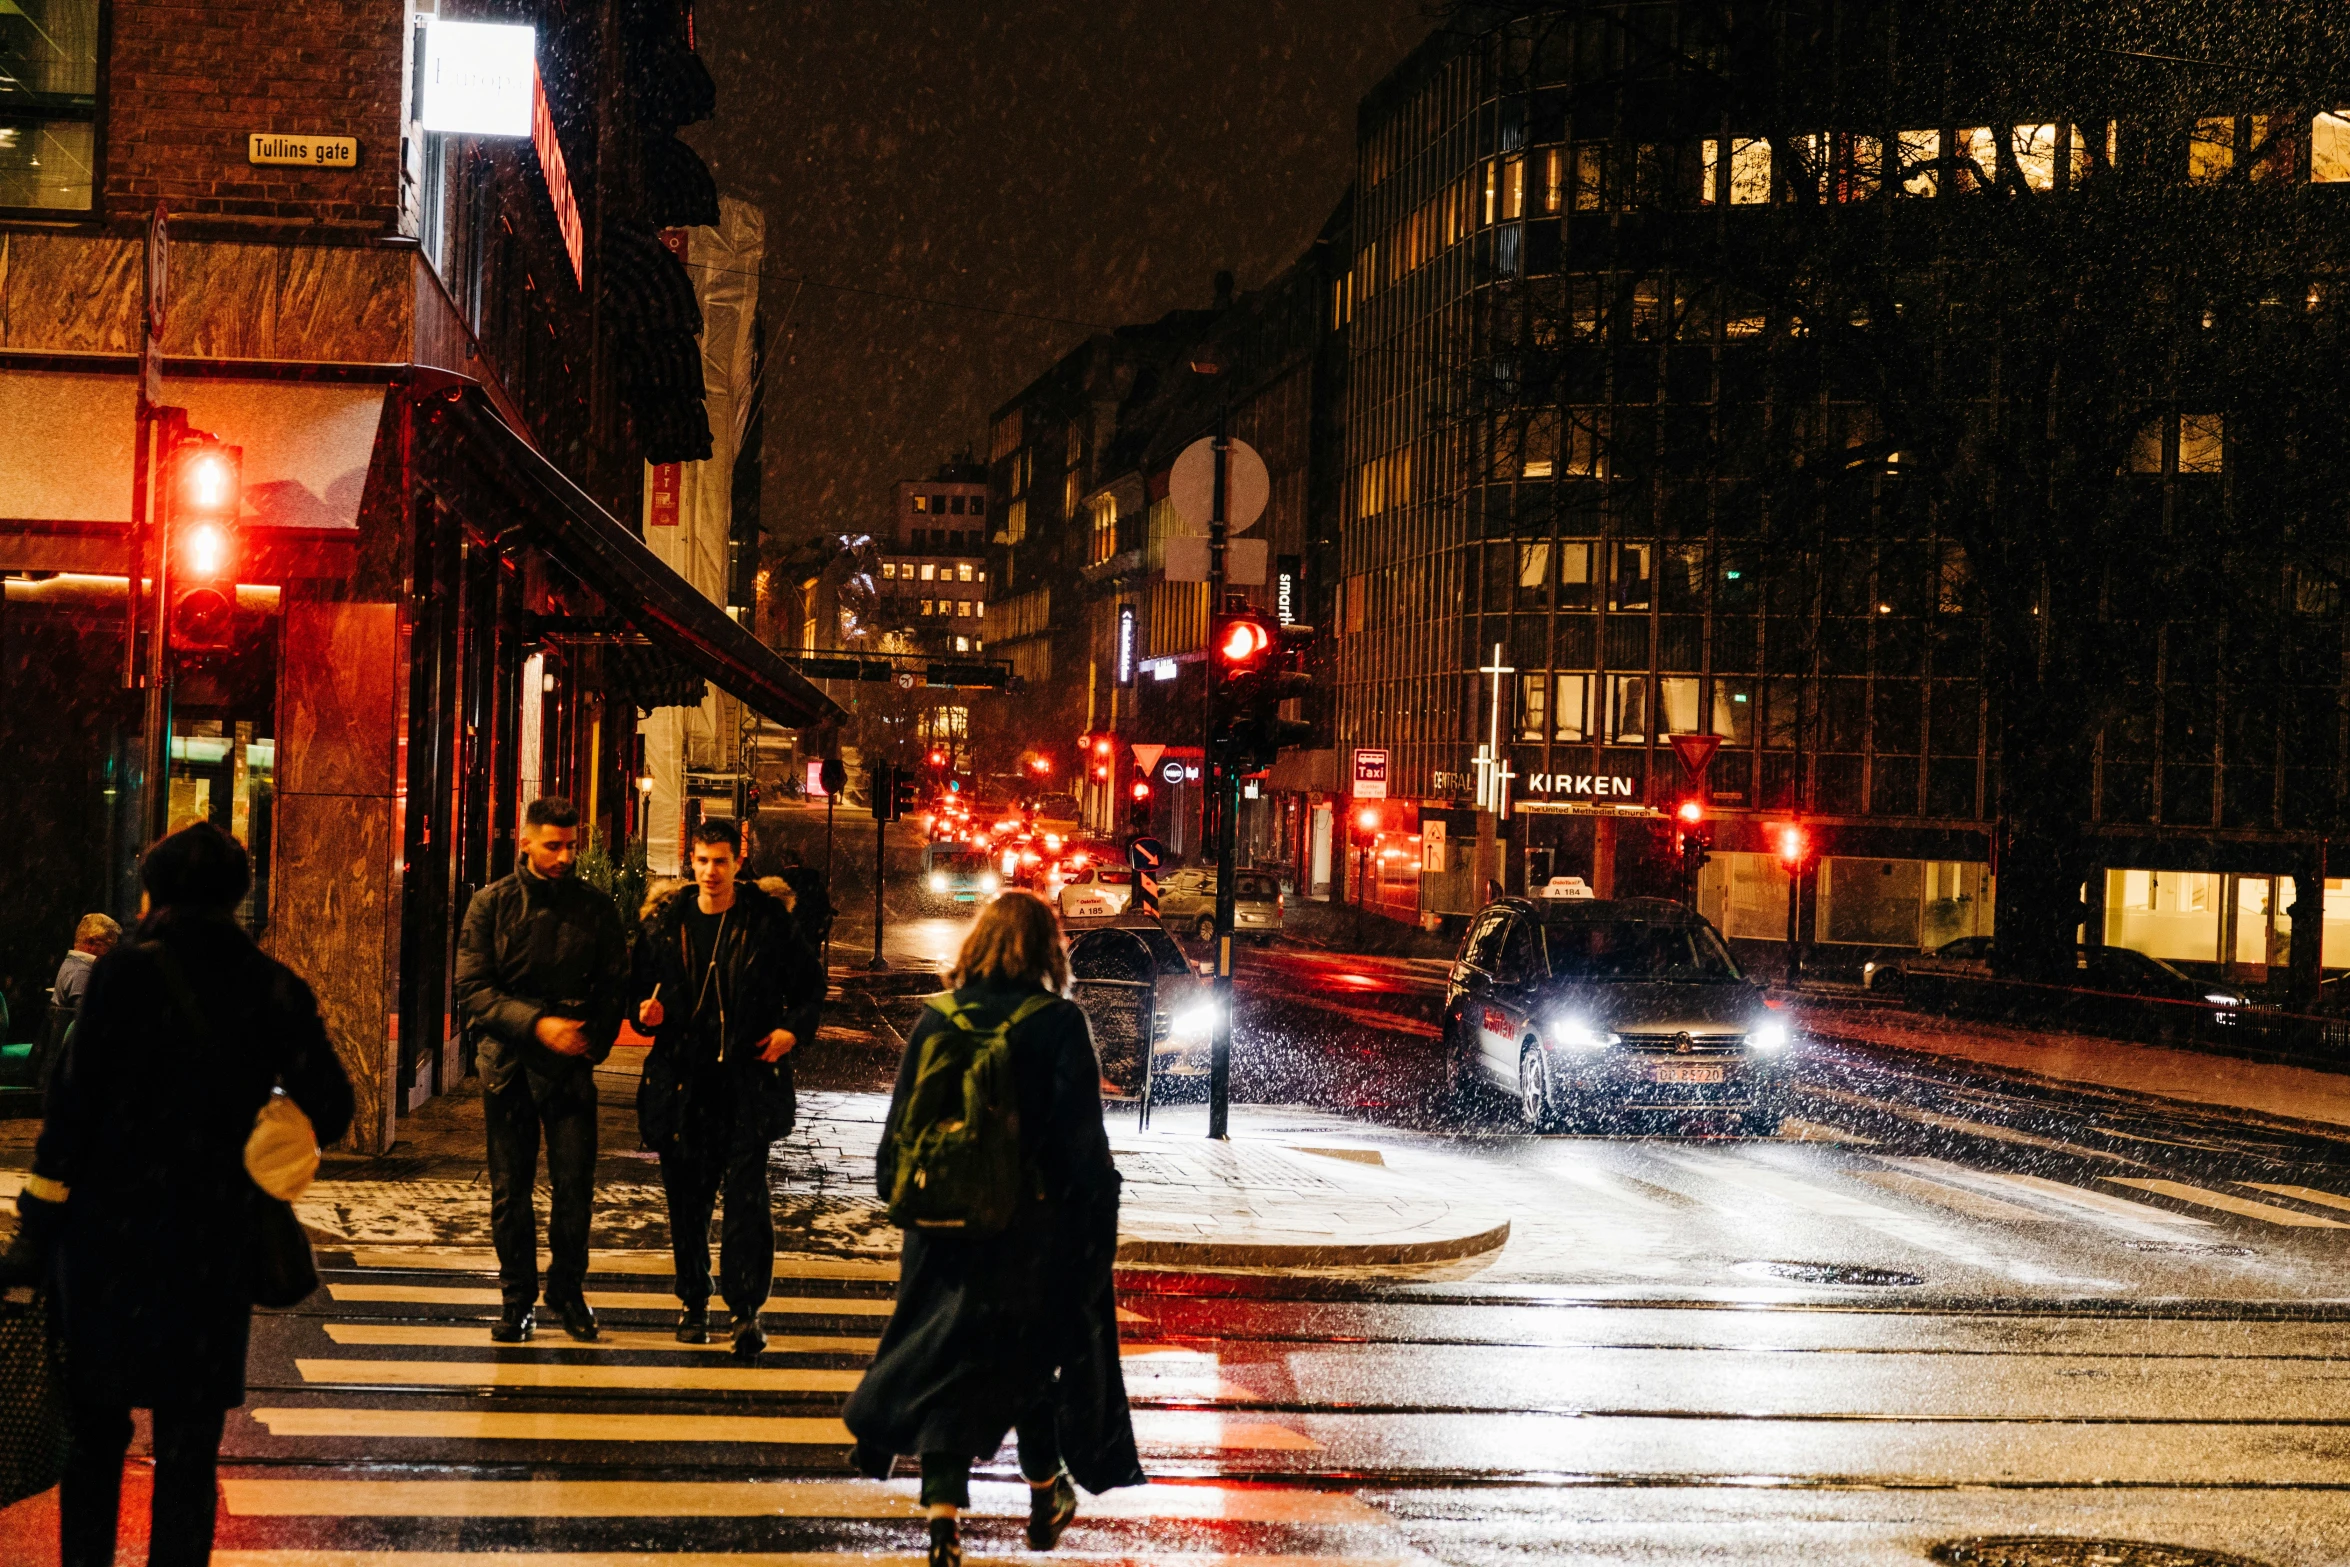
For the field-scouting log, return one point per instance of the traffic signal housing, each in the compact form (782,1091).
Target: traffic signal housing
(905,793)
(1696,837)
(1258,667)
(203,485)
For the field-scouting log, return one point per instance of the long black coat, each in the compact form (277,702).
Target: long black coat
(988,1328)
(147,1126)
(768,978)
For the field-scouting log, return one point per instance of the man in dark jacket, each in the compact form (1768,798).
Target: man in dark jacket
(542,976)
(728,990)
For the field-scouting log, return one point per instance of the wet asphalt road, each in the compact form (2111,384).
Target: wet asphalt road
(1944,1304)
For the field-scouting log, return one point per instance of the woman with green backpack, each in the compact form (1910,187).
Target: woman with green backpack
(995,1163)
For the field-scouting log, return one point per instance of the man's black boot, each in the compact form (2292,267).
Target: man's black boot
(1050,1509)
(946,1543)
(750,1339)
(578,1320)
(514,1326)
(693,1325)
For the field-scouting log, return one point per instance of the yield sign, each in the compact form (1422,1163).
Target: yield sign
(1147,757)
(1696,753)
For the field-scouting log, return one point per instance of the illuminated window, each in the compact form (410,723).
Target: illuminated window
(2329,148)
(1572,710)
(1533,697)
(2146,448)
(889,570)
(1920,168)
(2035,156)
(1734,712)
(963,572)
(1533,569)
(1627,709)
(1513,189)
(2201,442)
(49,83)
(2211,150)
(964,607)
(1554,179)
(1750,172)
(1016,522)
(929,572)
(962,644)
(926,606)
(1677,704)
(1590,185)
(922,503)
(1975,155)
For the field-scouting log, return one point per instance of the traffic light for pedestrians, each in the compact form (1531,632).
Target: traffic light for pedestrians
(881,791)
(1140,812)
(204,488)
(1793,846)
(905,793)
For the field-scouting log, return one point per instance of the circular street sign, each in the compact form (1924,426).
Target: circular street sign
(1192,486)
(1172,772)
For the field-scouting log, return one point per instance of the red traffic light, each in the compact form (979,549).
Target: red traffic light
(1142,790)
(1103,745)
(1367,819)
(205,551)
(206,479)
(1691,813)
(1793,844)
(1243,642)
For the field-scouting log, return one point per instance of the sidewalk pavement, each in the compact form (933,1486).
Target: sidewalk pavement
(2291,1094)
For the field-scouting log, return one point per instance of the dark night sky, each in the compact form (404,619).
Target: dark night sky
(1095,161)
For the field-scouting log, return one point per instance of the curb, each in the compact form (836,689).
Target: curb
(1319,1254)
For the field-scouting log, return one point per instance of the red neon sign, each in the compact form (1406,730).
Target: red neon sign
(558,174)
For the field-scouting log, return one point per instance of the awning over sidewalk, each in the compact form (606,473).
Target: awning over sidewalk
(615,563)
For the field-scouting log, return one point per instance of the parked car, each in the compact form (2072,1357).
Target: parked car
(1097,892)
(1110,964)
(1187,901)
(1968,955)
(1586,1008)
(2116,969)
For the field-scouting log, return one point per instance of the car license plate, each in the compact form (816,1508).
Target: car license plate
(1685,1074)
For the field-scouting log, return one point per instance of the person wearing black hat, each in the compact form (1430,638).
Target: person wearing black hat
(139,1210)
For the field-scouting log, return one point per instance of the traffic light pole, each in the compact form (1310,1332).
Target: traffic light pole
(155,749)
(1225,790)
(885,786)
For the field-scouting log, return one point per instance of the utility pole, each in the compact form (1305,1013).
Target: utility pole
(833,776)
(168,425)
(1224,783)
(883,782)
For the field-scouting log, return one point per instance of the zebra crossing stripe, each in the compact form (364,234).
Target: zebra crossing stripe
(2300,1193)
(437,1336)
(543,1374)
(1187,1429)
(602,1300)
(845,1499)
(651,1264)
(501,1558)
(2228,1203)
(552,1425)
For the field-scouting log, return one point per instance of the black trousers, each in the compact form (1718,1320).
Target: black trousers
(719,1154)
(946,1477)
(187,1456)
(563,1109)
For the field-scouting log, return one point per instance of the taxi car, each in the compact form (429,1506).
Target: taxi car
(1097,892)
(1586,1009)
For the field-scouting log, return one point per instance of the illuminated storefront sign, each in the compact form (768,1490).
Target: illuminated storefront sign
(478,78)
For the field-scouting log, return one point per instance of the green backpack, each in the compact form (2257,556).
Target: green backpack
(958,1139)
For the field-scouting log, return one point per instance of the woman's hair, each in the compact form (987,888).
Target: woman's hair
(657,892)
(1015,942)
(196,867)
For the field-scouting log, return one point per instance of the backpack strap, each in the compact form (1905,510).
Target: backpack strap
(946,1006)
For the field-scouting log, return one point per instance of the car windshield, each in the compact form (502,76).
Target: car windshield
(1114,875)
(968,863)
(1637,950)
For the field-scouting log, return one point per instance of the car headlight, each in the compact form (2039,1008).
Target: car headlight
(2221,998)
(1195,1022)
(1768,1037)
(1572,1033)
(938,881)
(989,881)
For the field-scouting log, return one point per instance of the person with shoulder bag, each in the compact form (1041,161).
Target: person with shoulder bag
(143,1208)
(995,1163)
(728,991)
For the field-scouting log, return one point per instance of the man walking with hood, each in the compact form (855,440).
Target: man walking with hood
(728,990)
(542,975)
